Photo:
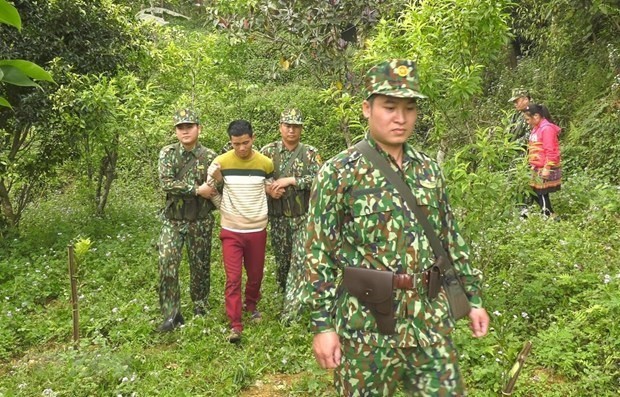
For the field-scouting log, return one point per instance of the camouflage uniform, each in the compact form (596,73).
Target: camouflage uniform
(356,218)
(287,219)
(518,128)
(187,220)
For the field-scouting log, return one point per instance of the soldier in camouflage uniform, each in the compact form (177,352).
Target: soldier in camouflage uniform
(187,219)
(295,165)
(356,218)
(518,129)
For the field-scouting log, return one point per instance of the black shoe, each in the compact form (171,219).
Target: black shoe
(200,311)
(171,323)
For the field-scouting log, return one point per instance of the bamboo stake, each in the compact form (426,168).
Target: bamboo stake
(74,297)
(516,369)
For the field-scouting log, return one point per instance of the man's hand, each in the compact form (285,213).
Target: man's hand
(479,322)
(273,192)
(326,348)
(278,188)
(283,183)
(215,172)
(206,191)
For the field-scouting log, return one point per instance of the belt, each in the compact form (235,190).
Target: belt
(410,281)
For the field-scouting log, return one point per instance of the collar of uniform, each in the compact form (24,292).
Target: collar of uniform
(280,146)
(181,150)
(409,153)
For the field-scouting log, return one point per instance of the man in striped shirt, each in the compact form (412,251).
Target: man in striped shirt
(245,175)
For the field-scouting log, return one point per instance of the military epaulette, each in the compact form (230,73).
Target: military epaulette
(350,155)
(168,148)
(420,156)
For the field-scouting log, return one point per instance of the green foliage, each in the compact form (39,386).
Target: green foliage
(453,43)
(17,72)
(302,32)
(592,141)
(493,167)
(9,15)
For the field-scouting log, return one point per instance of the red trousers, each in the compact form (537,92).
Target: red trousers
(242,250)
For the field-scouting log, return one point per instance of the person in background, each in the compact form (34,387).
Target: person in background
(187,219)
(244,175)
(295,165)
(518,128)
(543,157)
(357,219)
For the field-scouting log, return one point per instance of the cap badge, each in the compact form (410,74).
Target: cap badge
(402,71)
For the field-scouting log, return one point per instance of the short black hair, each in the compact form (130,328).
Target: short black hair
(239,128)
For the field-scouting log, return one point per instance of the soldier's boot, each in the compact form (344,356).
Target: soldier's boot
(200,310)
(171,323)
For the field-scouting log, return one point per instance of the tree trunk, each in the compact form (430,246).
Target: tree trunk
(7,207)
(107,173)
(344,127)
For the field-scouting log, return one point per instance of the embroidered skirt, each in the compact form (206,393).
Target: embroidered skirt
(549,184)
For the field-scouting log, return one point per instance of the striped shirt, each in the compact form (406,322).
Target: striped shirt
(243,203)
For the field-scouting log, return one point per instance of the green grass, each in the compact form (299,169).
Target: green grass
(553,283)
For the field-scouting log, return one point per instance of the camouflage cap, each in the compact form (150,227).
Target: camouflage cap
(518,93)
(397,78)
(292,116)
(185,116)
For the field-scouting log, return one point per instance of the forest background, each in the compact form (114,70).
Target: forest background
(79,139)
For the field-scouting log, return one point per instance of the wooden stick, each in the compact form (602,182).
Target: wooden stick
(74,297)
(516,369)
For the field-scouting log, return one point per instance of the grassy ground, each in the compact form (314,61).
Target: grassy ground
(555,283)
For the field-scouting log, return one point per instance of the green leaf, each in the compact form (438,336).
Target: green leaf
(5,103)
(31,69)
(9,15)
(13,75)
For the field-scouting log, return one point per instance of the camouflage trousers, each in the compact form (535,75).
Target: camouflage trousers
(196,236)
(371,371)
(283,232)
(296,280)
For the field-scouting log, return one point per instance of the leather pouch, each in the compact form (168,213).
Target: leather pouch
(374,289)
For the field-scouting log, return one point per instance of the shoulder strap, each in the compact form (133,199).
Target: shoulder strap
(291,160)
(276,163)
(373,156)
(186,168)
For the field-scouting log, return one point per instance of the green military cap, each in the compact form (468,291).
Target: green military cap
(396,77)
(185,116)
(518,93)
(292,116)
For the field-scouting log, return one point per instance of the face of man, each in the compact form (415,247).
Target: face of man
(521,103)
(291,133)
(242,145)
(390,120)
(187,134)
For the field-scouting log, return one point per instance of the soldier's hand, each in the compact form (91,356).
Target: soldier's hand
(326,348)
(479,322)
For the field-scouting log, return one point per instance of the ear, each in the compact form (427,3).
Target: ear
(366,108)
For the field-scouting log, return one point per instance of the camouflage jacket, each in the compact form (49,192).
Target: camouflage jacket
(304,176)
(303,179)
(519,130)
(356,218)
(172,159)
